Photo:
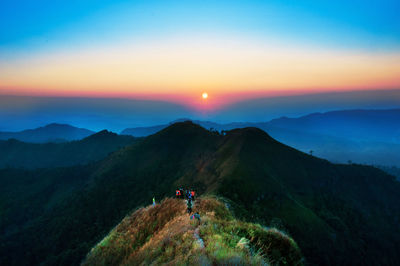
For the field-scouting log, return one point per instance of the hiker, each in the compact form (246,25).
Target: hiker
(189,206)
(181,193)
(190,196)
(154,201)
(197,216)
(192,193)
(187,194)
(178,194)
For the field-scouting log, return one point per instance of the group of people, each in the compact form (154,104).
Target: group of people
(189,195)
(185,194)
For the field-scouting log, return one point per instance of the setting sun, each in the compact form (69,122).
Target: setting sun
(204,95)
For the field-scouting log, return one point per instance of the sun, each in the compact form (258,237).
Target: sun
(204,95)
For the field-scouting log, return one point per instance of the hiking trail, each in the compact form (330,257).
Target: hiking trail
(198,238)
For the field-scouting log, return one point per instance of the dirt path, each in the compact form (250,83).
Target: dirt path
(198,238)
(196,235)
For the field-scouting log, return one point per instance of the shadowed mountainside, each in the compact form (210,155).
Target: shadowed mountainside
(14,153)
(337,214)
(394,171)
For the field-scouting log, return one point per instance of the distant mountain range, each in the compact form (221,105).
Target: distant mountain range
(379,126)
(356,125)
(49,133)
(14,153)
(337,214)
(361,136)
(349,136)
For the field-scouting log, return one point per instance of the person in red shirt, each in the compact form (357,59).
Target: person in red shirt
(192,193)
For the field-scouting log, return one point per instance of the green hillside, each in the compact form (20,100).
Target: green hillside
(337,214)
(17,154)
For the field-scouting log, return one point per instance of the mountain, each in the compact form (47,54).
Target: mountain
(394,171)
(111,113)
(337,214)
(50,133)
(359,125)
(14,153)
(118,113)
(172,238)
(360,136)
(143,131)
(146,131)
(352,125)
(338,149)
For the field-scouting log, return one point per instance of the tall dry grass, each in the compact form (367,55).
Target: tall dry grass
(165,235)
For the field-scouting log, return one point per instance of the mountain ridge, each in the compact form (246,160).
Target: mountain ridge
(267,182)
(371,116)
(374,141)
(171,237)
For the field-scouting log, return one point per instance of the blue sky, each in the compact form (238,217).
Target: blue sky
(359,24)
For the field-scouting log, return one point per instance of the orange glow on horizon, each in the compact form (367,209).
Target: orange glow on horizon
(217,102)
(180,70)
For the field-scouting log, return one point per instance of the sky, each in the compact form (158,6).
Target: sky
(173,51)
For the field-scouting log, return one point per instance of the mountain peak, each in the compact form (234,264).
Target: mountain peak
(252,133)
(185,127)
(181,120)
(103,132)
(250,130)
